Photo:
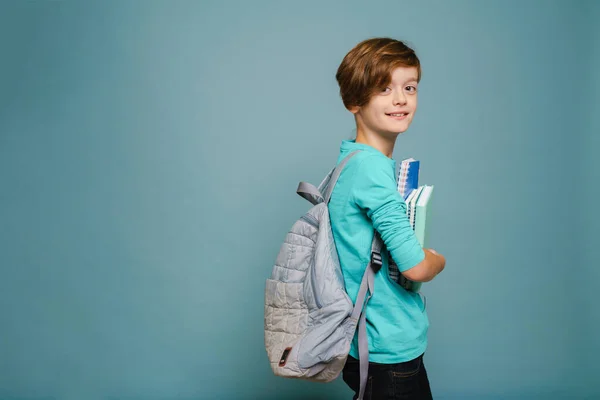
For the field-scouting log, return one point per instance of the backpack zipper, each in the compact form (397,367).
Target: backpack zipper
(314,279)
(308,218)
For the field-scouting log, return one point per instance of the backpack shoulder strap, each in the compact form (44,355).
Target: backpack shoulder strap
(360,307)
(322,193)
(335,174)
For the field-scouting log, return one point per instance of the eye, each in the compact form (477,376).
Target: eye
(411,88)
(386,90)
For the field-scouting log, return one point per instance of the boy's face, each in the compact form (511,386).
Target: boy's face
(380,114)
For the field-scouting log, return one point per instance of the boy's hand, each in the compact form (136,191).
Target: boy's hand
(433,251)
(441,257)
(427,269)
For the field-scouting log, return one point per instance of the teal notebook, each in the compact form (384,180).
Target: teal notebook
(422,215)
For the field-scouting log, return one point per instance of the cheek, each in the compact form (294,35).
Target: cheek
(374,117)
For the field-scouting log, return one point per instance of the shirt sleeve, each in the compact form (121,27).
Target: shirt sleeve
(375,191)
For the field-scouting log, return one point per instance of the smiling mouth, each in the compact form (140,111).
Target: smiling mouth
(398,115)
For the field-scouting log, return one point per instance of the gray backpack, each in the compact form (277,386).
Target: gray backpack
(309,318)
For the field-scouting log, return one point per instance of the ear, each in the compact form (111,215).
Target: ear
(354,109)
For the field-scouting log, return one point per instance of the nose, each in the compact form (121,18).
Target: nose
(399,98)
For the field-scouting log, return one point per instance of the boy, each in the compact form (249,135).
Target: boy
(378,82)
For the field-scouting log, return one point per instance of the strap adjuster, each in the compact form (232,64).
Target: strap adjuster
(376,261)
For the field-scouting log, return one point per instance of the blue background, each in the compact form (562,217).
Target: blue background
(149,156)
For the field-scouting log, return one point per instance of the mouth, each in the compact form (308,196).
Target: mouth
(397,116)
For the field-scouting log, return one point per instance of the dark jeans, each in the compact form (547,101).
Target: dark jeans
(406,381)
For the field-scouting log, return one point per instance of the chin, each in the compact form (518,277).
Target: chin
(391,134)
(398,130)
(403,128)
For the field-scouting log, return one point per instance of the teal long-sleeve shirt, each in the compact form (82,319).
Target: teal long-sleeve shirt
(366,198)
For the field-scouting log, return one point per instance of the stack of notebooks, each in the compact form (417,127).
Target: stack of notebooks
(417,199)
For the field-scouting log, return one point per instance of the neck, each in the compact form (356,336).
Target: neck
(384,144)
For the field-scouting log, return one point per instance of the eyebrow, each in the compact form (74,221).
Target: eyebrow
(410,80)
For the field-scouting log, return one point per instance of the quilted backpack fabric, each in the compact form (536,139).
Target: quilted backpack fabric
(309,319)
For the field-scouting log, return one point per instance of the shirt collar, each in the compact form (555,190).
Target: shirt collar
(351,145)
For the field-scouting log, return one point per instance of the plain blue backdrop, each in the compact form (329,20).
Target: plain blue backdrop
(149,156)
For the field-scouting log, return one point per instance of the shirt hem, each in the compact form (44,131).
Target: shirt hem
(393,358)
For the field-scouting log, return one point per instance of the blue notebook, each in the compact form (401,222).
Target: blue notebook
(408,176)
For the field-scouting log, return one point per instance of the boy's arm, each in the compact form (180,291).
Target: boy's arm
(375,191)
(426,270)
